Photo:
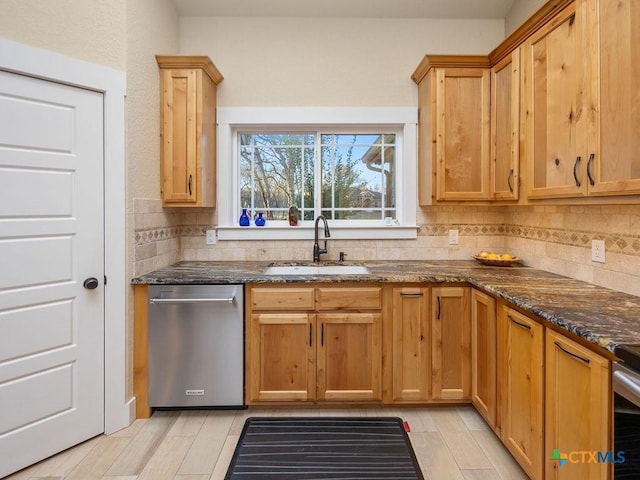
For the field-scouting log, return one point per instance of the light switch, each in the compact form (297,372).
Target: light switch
(453,237)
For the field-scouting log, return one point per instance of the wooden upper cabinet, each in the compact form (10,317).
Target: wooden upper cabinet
(613,143)
(453,128)
(505,128)
(188,130)
(555,107)
(582,105)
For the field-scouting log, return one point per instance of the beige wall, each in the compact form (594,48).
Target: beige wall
(152,28)
(90,31)
(521,11)
(327,61)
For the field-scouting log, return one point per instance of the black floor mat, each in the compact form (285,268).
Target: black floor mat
(336,448)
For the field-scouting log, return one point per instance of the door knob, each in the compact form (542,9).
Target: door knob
(90,283)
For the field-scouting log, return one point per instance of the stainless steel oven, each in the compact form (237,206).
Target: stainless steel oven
(626,390)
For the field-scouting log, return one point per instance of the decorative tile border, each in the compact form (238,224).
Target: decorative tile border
(617,243)
(625,244)
(437,230)
(149,235)
(144,236)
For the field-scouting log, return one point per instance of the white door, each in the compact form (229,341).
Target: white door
(51,240)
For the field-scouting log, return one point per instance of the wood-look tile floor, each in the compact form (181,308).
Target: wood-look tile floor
(451,443)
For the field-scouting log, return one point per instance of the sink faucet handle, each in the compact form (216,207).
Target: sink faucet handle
(342,255)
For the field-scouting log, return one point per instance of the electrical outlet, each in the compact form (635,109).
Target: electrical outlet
(597,251)
(453,237)
(211,237)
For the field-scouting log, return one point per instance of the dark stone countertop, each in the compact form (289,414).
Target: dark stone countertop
(599,315)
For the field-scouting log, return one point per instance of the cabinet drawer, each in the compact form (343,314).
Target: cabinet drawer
(350,298)
(282,299)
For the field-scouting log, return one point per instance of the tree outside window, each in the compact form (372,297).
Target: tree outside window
(345,176)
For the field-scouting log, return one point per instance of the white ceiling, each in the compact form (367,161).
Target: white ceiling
(346,8)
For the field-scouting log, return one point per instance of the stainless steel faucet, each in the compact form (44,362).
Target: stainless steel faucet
(317,251)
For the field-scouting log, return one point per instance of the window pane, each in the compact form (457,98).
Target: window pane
(358,176)
(276,171)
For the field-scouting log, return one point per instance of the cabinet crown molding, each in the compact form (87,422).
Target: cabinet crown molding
(191,61)
(448,61)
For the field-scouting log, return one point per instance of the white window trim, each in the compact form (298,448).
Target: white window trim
(232,119)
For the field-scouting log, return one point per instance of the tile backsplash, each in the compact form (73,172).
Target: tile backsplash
(553,238)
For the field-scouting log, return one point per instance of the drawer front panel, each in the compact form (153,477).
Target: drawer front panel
(282,299)
(356,298)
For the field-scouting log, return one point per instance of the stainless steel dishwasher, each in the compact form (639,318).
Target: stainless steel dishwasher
(196,348)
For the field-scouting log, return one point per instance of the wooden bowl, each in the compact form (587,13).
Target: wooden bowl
(496,262)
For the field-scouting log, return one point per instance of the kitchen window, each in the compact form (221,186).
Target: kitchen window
(355,166)
(343,176)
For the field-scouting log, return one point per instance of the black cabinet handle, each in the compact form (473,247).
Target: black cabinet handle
(591,180)
(575,171)
(189,183)
(523,325)
(311,335)
(411,294)
(509,179)
(438,308)
(322,335)
(574,355)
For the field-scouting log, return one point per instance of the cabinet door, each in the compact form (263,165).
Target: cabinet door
(178,132)
(462,143)
(450,343)
(577,407)
(614,148)
(556,107)
(483,355)
(281,357)
(410,344)
(505,128)
(349,355)
(520,357)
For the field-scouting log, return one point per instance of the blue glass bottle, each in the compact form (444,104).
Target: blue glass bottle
(244,218)
(260,221)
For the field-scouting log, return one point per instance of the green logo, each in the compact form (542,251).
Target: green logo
(561,457)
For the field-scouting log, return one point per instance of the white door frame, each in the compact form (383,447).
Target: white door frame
(18,58)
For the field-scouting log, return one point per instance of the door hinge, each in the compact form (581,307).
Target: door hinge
(105,279)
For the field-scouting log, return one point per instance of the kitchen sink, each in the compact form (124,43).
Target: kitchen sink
(317,270)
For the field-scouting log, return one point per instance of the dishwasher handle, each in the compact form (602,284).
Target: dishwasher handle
(166,301)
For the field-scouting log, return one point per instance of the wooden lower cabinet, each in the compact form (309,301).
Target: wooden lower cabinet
(349,356)
(293,355)
(577,409)
(410,344)
(483,356)
(282,366)
(450,343)
(521,383)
